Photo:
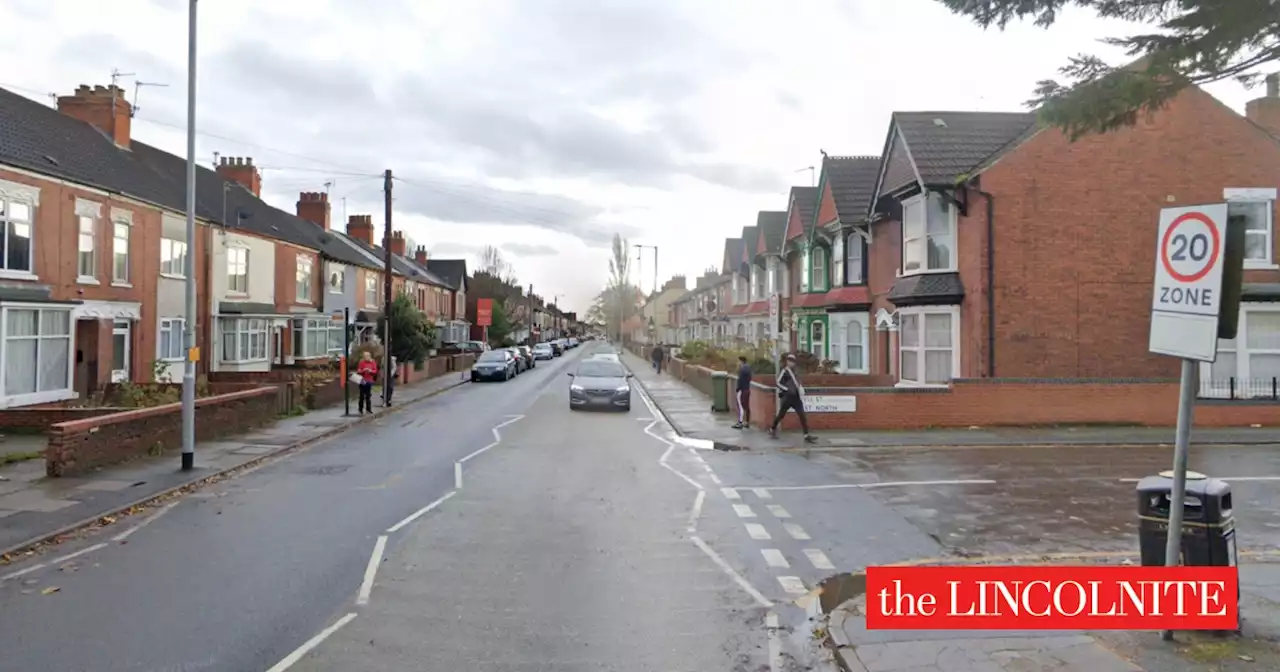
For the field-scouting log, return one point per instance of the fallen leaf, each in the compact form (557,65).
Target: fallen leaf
(50,590)
(1245,658)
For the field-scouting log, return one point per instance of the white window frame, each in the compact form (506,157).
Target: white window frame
(172,329)
(853,263)
(837,261)
(806,270)
(88,214)
(1258,195)
(920,312)
(915,236)
(255,346)
(29,197)
(8,400)
(1212,388)
(838,325)
(822,356)
(238,267)
(304,332)
(122,328)
(819,270)
(370,290)
(175,265)
(304,277)
(121,246)
(332,269)
(758,281)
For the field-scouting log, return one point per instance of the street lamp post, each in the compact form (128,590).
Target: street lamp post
(555,304)
(189,329)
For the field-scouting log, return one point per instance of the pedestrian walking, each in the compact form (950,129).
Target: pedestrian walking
(391,381)
(744,393)
(658,356)
(791,396)
(367,369)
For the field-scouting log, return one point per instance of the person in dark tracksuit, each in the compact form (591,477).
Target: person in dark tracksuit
(658,356)
(744,394)
(791,396)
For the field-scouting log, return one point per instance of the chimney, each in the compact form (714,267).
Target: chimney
(103,107)
(1265,111)
(360,227)
(313,206)
(420,255)
(397,243)
(241,170)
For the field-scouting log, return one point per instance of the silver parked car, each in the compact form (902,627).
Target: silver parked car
(601,384)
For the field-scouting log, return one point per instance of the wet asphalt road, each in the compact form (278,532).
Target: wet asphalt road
(240,574)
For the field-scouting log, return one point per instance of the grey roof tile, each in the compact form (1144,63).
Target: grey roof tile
(852,180)
(805,201)
(452,271)
(926,289)
(946,145)
(732,254)
(772,226)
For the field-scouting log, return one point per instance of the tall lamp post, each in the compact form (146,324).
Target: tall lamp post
(189,335)
(555,304)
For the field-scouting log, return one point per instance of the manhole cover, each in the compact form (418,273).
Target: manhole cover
(328,470)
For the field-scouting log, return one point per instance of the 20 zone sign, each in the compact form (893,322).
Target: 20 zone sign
(1189,265)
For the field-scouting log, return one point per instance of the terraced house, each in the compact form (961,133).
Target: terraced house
(95,258)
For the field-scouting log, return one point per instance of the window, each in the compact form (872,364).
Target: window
(314,337)
(370,290)
(1253,208)
(806,269)
(775,277)
(87,215)
(1249,365)
(337,278)
(819,282)
(837,261)
(238,270)
(927,345)
(121,350)
(37,350)
(928,227)
(170,348)
(120,252)
(173,258)
(855,333)
(303,277)
(757,283)
(817,339)
(244,339)
(16,218)
(853,248)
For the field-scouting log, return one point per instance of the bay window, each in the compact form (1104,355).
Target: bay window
(316,337)
(173,258)
(854,246)
(170,347)
(928,352)
(244,339)
(1254,208)
(837,261)
(1248,365)
(928,234)
(37,354)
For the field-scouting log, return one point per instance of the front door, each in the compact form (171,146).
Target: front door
(121,350)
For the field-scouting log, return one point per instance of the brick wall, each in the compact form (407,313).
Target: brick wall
(42,418)
(1019,403)
(79,446)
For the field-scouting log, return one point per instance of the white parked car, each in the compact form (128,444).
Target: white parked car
(543,351)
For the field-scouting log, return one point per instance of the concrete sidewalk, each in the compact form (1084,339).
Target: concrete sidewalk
(34,508)
(862,650)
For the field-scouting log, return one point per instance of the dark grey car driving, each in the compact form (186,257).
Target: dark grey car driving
(600,384)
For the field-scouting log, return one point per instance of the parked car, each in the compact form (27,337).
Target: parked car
(556,350)
(573,342)
(526,352)
(544,351)
(600,383)
(494,365)
(521,364)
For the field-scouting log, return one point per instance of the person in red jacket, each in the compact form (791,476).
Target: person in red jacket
(368,372)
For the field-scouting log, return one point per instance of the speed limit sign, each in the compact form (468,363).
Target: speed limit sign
(1188,281)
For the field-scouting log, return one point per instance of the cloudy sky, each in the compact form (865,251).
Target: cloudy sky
(542,127)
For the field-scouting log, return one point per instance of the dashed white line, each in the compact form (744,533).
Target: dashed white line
(457,475)
(775,642)
(145,522)
(796,531)
(818,558)
(774,558)
(757,532)
(792,585)
(714,479)
(730,493)
(743,511)
(371,570)
(743,583)
(54,562)
(23,572)
(420,512)
(697,510)
(887,484)
(706,467)
(778,511)
(298,654)
(762,493)
(698,458)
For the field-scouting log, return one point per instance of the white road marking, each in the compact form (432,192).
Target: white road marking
(774,558)
(743,583)
(762,493)
(371,570)
(743,511)
(714,479)
(775,642)
(889,484)
(697,510)
(707,467)
(778,511)
(698,458)
(758,532)
(420,512)
(730,493)
(663,460)
(457,475)
(818,558)
(792,585)
(299,653)
(23,572)
(497,437)
(145,522)
(796,531)
(1221,478)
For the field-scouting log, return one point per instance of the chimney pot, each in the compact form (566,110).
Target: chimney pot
(104,108)
(1265,111)
(236,170)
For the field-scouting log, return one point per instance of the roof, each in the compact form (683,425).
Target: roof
(852,180)
(749,239)
(452,271)
(772,226)
(732,254)
(805,201)
(947,145)
(399,265)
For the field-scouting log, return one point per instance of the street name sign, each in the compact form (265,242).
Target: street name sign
(829,403)
(1188,281)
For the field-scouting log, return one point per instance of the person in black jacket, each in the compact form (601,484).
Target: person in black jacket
(743,389)
(791,396)
(657,355)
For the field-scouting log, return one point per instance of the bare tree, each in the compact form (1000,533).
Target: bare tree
(493,263)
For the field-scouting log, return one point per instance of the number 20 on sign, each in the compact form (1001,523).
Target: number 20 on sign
(1188,281)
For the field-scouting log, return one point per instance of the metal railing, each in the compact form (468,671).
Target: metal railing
(1241,388)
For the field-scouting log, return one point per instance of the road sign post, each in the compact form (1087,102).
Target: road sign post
(774,307)
(1190,245)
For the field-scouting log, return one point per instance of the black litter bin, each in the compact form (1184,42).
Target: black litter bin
(1208,527)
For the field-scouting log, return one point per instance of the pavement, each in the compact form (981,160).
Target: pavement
(34,507)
